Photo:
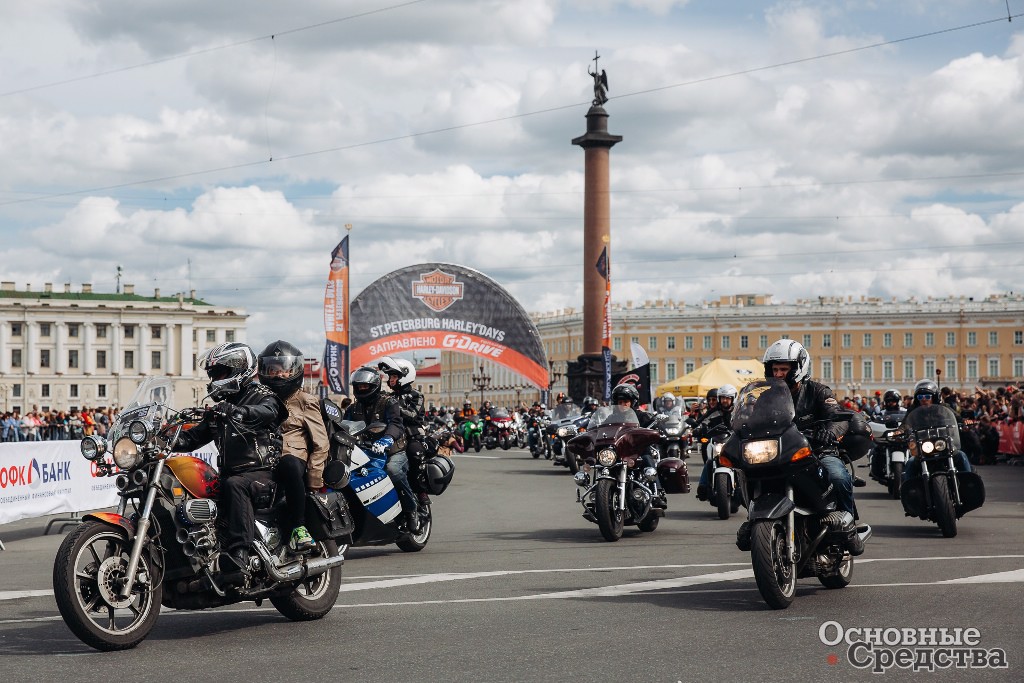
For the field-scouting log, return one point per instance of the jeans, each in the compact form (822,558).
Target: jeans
(840,478)
(398,469)
(913,467)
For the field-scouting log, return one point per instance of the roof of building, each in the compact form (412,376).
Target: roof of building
(7,291)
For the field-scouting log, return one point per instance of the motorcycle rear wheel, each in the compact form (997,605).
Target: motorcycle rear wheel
(841,579)
(722,497)
(774,574)
(942,503)
(609,518)
(313,599)
(895,480)
(86,573)
(414,543)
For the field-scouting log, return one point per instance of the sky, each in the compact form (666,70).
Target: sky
(799,149)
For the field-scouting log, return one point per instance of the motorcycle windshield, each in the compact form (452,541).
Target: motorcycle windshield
(564,410)
(612,415)
(674,417)
(929,423)
(499,414)
(148,403)
(763,409)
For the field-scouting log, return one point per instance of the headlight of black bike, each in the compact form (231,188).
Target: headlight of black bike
(127,454)
(138,432)
(927,447)
(759,452)
(606,457)
(93,447)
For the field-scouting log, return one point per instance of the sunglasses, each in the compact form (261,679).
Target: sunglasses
(921,397)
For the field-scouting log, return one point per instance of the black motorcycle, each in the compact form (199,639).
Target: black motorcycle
(940,493)
(890,455)
(675,435)
(796,529)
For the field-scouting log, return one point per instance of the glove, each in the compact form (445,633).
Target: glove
(824,437)
(381,445)
(228,410)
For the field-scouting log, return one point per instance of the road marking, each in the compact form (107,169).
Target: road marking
(14,595)
(1015,576)
(482,457)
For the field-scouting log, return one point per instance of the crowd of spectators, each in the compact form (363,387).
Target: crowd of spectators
(55,425)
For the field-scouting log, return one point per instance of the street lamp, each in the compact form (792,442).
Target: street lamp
(553,377)
(481,382)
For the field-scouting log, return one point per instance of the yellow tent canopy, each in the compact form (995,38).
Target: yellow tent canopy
(713,375)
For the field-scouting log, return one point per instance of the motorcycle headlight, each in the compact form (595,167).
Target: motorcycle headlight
(672,431)
(940,445)
(927,447)
(93,447)
(563,432)
(126,454)
(138,432)
(606,457)
(758,452)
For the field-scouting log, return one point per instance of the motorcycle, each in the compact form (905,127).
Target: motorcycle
(472,431)
(519,429)
(537,437)
(617,489)
(566,430)
(796,529)
(726,492)
(890,451)
(498,430)
(114,571)
(940,493)
(674,435)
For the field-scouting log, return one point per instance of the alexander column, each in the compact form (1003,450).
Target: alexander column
(586,376)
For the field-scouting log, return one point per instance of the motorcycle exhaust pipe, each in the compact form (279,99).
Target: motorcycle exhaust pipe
(296,570)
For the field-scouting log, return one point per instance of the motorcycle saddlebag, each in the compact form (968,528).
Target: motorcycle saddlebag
(972,492)
(673,475)
(438,472)
(328,516)
(912,496)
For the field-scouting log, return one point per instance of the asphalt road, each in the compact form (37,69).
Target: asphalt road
(516,586)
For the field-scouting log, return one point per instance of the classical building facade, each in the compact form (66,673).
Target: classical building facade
(857,346)
(64,349)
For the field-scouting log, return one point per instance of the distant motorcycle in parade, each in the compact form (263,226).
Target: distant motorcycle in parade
(566,430)
(675,435)
(939,493)
(498,429)
(890,451)
(472,433)
(163,546)
(795,528)
(726,492)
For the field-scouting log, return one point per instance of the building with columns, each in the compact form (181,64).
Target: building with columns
(64,349)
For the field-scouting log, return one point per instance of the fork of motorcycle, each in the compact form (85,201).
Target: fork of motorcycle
(622,488)
(956,486)
(141,532)
(791,529)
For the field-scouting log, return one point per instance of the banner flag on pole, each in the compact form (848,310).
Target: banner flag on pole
(336,323)
(605,271)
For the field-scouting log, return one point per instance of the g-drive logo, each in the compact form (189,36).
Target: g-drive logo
(34,474)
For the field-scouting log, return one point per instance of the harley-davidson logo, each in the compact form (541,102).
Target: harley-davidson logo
(437,289)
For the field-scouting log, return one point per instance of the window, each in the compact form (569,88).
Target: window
(847,370)
(73,391)
(887,371)
(993,339)
(688,366)
(229,336)
(44,329)
(707,342)
(101,331)
(847,340)
(72,330)
(156,360)
(211,336)
(950,370)
(1018,337)
(887,340)
(972,338)
(744,341)
(725,341)
(101,391)
(15,329)
(617,343)
(634,340)
(762,341)
(1018,367)
(16,391)
(993,367)
(826,369)
(44,391)
(155,331)
(101,360)
(44,358)
(908,370)
(868,340)
(73,358)
(129,331)
(951,339)
(652,343)
(688,342)
(867,370)
(15,358)
(972,368)
(670,343)
(654,373)
(807,341)
(929,340)
(826,341)
(908,339)
(129,360)
(929,367)
(670,371)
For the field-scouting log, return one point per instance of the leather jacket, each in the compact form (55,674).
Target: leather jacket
(814,402)
(250,439)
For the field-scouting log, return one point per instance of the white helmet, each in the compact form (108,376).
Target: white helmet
(410,372)
(726,391)
(788,351)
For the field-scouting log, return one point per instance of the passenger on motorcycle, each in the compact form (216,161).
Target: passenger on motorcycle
(401,374)
(373,405)
(713,423)
(590,404)
(245,427)
(306,445)
(892,405)
(813,402)
(926,393)
(711,404)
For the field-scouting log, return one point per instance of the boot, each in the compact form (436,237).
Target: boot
(854,544)
(702,492)
(412,520)
(424,498)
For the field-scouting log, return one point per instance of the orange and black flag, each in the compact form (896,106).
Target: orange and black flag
(336,324)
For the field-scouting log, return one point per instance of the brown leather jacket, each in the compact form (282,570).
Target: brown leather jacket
(305,436)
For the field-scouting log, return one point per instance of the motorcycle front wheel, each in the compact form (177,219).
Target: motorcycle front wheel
(609,518)
(722,497)
(572,461)
(895,480)
(506,443)
(87,575)
(476,444)
(942,503)
(774,574)
(313,598)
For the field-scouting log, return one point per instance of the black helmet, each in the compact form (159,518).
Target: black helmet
(626,392)
(280,368)
(891,396)
(590,402)
(712,394)
(365,384)
(924,387)
(231,367)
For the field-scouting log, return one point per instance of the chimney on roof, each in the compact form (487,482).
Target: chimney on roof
(6,286)
(191,294)
(67,287)
(28,286)
(48,287)
(156,293)
(86,288)
(129,289)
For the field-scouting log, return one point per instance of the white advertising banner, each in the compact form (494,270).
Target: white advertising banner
(51,477)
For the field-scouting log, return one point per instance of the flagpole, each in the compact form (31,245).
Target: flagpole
(348,319)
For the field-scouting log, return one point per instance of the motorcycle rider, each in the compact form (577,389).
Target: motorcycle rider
(892,405)
(401,373)
(373,405)
(245,426)
(590,404)
(626,396)
(667,403)
(713,423)
(464,414)
(813,402)
(926,393)
(306,445)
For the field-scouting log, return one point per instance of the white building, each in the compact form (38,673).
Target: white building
(60,350)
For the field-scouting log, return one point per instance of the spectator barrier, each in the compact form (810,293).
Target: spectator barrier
(40,478)
(1011,437)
